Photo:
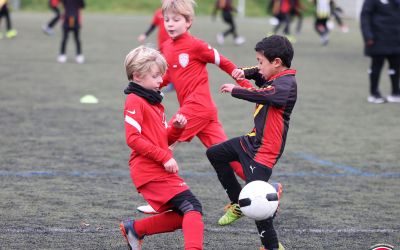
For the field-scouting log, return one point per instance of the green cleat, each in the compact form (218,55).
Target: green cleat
(232,214)
(11,33)
(280,247)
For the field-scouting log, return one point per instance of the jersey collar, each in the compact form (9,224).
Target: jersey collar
(283,73)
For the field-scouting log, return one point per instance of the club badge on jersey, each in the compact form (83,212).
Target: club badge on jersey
(184,59)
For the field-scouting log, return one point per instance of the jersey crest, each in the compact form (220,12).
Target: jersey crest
(184,59)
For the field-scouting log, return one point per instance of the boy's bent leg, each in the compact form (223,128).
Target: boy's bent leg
(219,156)
(237,168)
(215,134)
(192,224)
(160,223)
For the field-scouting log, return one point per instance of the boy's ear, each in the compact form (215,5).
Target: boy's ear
(189,23)
(136,77)
(277,62)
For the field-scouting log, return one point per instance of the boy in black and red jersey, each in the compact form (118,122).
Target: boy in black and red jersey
(153,169)
(259,150)
(72,22)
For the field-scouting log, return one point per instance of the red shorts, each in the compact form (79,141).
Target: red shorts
(208,129)
(158,192)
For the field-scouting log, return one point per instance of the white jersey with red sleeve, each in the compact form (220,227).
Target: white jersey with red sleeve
(187,57)
(148,135)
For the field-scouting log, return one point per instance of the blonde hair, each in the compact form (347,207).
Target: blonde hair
(181,7)
(140,60)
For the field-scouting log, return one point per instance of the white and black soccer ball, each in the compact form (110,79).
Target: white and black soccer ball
(258,200)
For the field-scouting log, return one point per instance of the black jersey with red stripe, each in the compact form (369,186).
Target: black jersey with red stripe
(275,101)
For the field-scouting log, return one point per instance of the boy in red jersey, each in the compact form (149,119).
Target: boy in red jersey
(154,171)
(259,150)
(187,57)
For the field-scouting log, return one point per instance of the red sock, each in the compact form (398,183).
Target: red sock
(237,168)
(193,230)
(160,223)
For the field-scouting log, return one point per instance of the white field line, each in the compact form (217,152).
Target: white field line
(55,230)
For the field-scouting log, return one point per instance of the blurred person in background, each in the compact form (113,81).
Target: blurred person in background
(336,13)
(48,28)
(227,8)
(4,12)
(162,36)
(72,22)
(322,14)
(380,27)
(282,11)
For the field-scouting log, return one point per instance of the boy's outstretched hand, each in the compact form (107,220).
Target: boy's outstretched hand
(171,166)
(179,121)
(227,88)
(238,74)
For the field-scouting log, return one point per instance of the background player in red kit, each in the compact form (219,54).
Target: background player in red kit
(48,28)
(187,57)
(154,171)
(157,22)
(162,36)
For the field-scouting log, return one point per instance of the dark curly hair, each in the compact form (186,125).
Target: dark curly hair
(276,46)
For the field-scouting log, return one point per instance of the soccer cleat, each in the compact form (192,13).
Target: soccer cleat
(280,247)
(47,30)
(11,33)
(344,29)
(62,58)
(220,39)
(131,237)
(376,99)
(324,40)
(232,214)
(291,38)
(270,33)
(147,209)
(80,59)
(393,98)
(279,190)
(239,40)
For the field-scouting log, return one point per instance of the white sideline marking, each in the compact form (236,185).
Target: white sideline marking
(208,229)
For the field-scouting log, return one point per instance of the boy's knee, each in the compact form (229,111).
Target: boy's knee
(211,153)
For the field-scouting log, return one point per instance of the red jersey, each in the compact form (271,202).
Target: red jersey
(187,58)
(53,3)
(149,136)
(158,20)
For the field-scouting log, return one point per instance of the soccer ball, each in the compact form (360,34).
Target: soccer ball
(258,200)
